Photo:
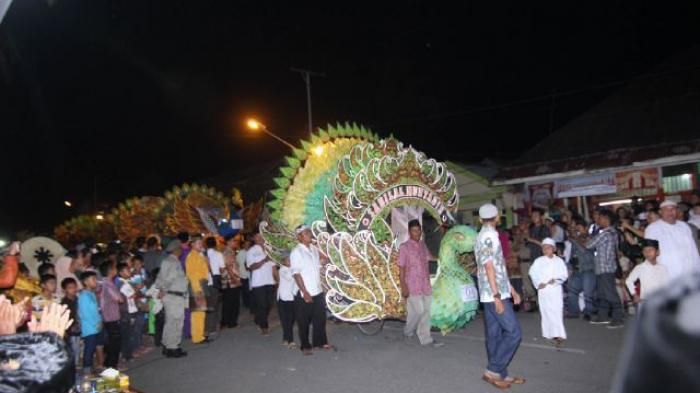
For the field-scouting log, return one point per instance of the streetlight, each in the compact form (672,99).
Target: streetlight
(67,203)
(255,125)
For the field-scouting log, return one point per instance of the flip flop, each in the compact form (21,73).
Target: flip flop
(515,380)
(499,383)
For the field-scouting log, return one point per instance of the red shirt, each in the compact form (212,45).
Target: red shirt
(414,256)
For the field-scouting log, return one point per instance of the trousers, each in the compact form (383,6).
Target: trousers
(418,318)
(113,347)
(286,313)
(581,282)
(230,306)
(174,307)
(608,301)
(264,298)
(503,337)
(311,315)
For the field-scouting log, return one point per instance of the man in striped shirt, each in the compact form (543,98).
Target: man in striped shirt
(605,246)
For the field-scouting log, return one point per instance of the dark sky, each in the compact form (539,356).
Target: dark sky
(142,95)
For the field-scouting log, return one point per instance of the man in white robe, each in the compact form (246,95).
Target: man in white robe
(548,273)
(677,249)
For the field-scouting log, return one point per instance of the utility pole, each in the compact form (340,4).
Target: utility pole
(306,75)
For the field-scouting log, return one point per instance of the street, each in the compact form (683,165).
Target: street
(243,361)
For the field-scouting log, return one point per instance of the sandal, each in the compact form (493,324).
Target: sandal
(499,383)
(515,380)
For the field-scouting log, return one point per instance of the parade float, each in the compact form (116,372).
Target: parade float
(186,208)
(344,183)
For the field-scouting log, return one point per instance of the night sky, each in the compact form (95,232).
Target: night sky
(143,95)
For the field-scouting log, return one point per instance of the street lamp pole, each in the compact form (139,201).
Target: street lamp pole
(268,132)
(256,125)
(306,75)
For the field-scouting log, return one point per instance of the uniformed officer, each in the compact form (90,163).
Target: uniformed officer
(173,286)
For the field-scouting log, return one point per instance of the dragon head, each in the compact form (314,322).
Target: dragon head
(459,239)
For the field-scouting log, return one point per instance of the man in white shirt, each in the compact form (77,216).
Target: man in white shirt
(310,303)
(216,263)
(677,249)
(262,282)
(244,274)
(650,274)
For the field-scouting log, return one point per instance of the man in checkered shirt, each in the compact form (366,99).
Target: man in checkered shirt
(605,246)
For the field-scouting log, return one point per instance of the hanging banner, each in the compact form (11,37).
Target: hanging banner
(541,195)
(584,186)
(642,182)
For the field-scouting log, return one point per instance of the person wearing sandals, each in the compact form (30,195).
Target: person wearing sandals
(495,293)
(285,302)
(309,300)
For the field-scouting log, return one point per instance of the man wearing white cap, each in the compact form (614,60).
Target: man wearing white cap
(502,328)
(309,301)
(677,250)
(548,273)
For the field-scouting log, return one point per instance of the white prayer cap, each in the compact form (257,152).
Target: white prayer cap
(548,241)
(488,211)
(301,228)
(668,203)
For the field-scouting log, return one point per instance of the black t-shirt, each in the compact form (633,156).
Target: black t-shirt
(74,329)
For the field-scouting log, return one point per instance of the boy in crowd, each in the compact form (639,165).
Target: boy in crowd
(285,302)
(47,295)
(651,275)
(110,299)
(70,299)
(90,319)
(129,323)
(548,273)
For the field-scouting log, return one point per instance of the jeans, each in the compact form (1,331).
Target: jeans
(502,337)
(91,344)
(73,343)
(608,301)
(581,282)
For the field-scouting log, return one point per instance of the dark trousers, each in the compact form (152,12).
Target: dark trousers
(113,346)
(160,325)
(502,337)
(127,331)
(608,301)
(231,305)
(581,282)
(245,294)
(264,298)
(213,317)
(311,314)
(286,312)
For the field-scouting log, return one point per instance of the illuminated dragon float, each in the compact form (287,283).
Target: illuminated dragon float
(343,183)
(186,208)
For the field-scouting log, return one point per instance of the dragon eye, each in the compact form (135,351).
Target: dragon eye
(459,236)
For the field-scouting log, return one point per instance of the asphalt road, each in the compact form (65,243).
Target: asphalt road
(242,361)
